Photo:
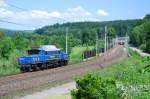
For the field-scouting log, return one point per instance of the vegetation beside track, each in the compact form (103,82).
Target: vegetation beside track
(9,66)
(77,52)
(65,96)
(128,79)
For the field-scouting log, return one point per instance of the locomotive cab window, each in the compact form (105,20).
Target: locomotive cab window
(33,52)
(52,52)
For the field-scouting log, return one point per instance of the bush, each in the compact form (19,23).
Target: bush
(6,46)
(9,66)
(129,80)
(94,87)
(143,47)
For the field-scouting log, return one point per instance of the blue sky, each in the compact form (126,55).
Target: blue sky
(37,13)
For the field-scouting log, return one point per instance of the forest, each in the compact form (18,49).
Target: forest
(140,34)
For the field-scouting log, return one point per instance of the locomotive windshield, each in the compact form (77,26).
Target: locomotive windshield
(33,52)
(52,52)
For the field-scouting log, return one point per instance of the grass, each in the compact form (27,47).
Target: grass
(9,66)
(131,72)
(128,70)
(77,52)
(66,96)
(9,70)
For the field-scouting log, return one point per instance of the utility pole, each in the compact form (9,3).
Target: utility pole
(67,40)
(116,40)
(97,42)
(107,43)
(105,49)
(126,42)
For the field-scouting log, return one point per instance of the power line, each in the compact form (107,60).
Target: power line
(14,6)
(10,22)
(24,9)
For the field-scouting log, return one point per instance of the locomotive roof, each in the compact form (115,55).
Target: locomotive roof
(48,48)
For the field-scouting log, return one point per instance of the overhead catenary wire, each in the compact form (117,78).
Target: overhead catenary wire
(24,9)
(14,6)
(4,21)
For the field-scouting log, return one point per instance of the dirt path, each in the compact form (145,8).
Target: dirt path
(21,82)
(56,91)
(140,51)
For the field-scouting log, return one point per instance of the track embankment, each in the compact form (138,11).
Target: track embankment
(25,81)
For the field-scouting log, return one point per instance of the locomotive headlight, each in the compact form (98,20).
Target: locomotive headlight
(52,56)
(21,59)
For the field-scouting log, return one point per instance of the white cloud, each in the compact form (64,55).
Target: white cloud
(77,14)
(71,14)
(40,18)
(101,12)
(2,3)
(5,13)
(78,11)
(55,14)
(44,14)
(38,14)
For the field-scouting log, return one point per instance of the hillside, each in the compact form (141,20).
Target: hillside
(10,32)
(78,28)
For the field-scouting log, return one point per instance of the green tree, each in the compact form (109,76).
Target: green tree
(6,47)
(137,36)
(85,38)
(93,87)
(148,42)
(111,32)
(85,31)
(2,34)
(147,32)
(140,35)
(20,42)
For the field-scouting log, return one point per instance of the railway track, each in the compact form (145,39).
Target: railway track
(24,81)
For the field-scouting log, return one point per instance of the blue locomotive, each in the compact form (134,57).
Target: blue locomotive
(43,57)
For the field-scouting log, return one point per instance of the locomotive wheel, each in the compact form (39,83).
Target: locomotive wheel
(60,63)
(34,68)
(43,66)
(27,69)
(65,63)
(22,69)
